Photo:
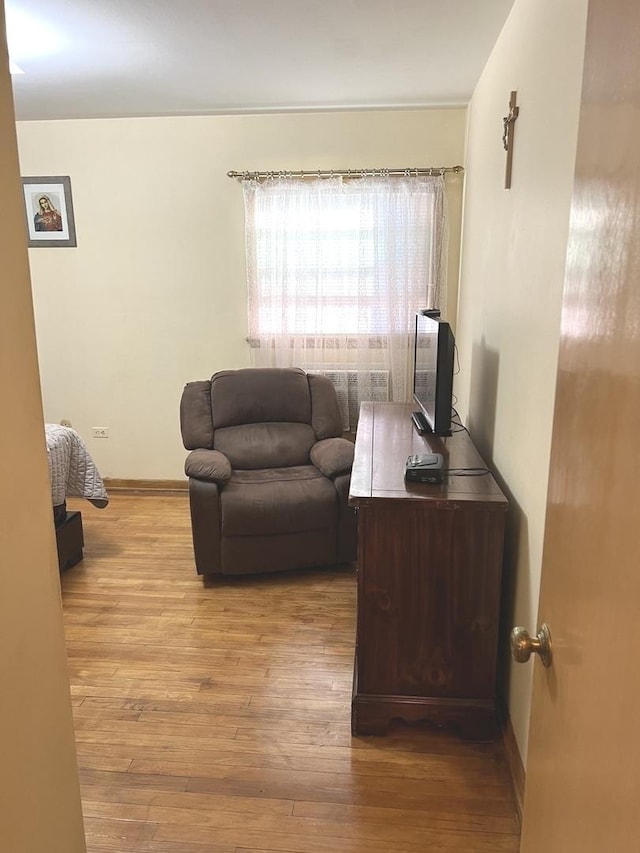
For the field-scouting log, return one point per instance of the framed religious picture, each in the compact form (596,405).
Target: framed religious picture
(49,211)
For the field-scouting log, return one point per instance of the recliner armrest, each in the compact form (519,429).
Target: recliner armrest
(210,465)
(332,456)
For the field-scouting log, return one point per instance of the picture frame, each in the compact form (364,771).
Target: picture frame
(49,211)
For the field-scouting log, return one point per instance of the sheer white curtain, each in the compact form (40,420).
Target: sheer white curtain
(337,270)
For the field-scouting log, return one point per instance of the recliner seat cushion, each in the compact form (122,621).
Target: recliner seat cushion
(278,501)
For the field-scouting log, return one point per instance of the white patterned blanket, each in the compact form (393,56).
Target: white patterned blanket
(72,471)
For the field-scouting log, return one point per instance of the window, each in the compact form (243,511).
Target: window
(337,270)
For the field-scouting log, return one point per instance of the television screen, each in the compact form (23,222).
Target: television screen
(433,373)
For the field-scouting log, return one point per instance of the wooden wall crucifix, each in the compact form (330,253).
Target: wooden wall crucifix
(507,136)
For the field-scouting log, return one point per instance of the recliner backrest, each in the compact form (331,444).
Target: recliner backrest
(260,417)
(260,395)
(266,445)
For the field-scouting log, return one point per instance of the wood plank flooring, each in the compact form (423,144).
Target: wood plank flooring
(214,718)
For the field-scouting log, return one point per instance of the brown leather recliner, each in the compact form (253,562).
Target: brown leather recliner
(268,473)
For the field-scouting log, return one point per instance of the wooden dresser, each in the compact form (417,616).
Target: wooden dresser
(429,578)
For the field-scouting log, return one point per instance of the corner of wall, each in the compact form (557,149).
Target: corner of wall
(511,282)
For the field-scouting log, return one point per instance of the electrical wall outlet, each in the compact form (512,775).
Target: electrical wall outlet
(100,432)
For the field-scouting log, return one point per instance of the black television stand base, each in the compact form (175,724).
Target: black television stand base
(420,423)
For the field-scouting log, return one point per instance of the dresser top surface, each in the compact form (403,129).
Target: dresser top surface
(386,437)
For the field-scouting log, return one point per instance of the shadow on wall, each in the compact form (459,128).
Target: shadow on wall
(485,366)
(515,571)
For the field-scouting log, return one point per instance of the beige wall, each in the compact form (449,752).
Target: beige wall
(512,271)
(39,794)
(154,295)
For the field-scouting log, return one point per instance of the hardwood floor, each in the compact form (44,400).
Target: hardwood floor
(214,718)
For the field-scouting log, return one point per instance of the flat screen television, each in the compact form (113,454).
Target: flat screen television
(433,374)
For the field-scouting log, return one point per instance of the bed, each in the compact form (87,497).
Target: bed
(72,473)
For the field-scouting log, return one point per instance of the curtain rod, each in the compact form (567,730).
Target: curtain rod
(347,173)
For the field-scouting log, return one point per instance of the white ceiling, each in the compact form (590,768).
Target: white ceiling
(117,58)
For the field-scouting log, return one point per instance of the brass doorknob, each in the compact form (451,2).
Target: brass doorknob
(523,645)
